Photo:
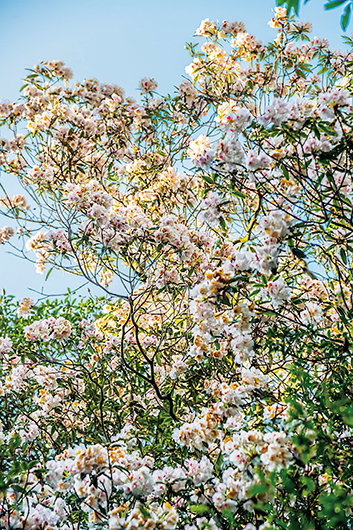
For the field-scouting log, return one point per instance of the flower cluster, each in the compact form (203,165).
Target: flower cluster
(49,329)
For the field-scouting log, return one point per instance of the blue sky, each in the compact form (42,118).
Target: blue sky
(117,41)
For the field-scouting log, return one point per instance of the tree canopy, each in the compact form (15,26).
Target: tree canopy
(210,387)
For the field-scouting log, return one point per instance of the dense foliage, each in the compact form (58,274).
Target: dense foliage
(211,386)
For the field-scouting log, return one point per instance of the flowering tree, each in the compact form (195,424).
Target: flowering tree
(211,386)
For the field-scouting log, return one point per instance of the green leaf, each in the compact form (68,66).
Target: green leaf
(143,511)
(219,462)
(300,73)
(308,483)
(287,481)
(335,3)
(49,273)
(298,253)
(207,179)
(343,256)
(223,224)
(345,17)
(227,513)
(199,509)
(347,415)
(268,313)
(258,488)
(238,194)
(342,314)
